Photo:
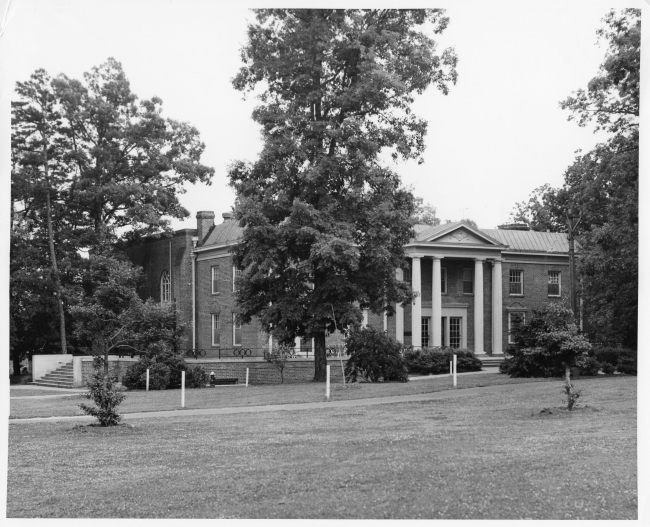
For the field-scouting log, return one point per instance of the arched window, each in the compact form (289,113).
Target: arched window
(165,288)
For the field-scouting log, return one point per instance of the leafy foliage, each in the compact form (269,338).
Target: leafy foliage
(166,367)
(436,360)
(103,392)
(603,186)
(324,223)
(196,377)
(547,346)
(425,214)
(159,376)
(375,357)
(278,356)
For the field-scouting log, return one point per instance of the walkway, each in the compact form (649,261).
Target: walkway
(446,394)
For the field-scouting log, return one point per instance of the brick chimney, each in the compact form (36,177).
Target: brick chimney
(204,222)
(228,216)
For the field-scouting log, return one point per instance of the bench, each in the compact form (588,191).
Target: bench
(221,382)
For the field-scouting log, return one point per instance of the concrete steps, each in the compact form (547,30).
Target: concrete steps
(490,361)
(62,377)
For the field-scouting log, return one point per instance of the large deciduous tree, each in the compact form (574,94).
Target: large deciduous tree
(92,166)
(324,222)
(603,185)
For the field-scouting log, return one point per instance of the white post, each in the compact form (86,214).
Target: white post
(365,318)
(436,303)
(147,379)
(451,367)
(455,370)
(478,307)
(497,309)
(399,314)
(246,376)
(183,389)
(416,310)
(296,345)
(327,384)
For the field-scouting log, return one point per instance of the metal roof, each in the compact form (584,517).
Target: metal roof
(228,231)
(531,241)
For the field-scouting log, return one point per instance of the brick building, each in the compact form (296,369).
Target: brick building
(473,285)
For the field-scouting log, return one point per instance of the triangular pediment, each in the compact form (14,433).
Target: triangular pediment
(458,234)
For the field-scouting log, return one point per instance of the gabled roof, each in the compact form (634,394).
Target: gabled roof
(227,232)
(436,232)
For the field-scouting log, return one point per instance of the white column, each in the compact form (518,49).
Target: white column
(478,307)
(436,303)
(416,311)
(296,345)
(497,309)
(385,322)
(365,318)
(399,314)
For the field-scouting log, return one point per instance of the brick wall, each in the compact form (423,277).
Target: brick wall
(260,372)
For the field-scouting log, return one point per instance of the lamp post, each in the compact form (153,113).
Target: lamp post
(571,216)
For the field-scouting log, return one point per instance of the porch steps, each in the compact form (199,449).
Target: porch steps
(62,377)
(490,361)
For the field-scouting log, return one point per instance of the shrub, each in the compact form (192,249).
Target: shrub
(196,377)
(103,393)
(436,360)
(529,362)
(375,357)
(278,356)
(158,376)
(628,362)
(135,376)
(589,366)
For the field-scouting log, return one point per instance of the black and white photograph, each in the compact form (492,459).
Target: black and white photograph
(336,261)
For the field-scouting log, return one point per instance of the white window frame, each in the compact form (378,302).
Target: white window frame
(406,274)
(236,273)
(165,288)
(521,282)
(471,281)
(214,277)
(216,325)
(236,325)
(522,314)
(443,278)
(559,283)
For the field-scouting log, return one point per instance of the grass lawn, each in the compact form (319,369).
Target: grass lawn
(228,396)
(486,456)
(27,392)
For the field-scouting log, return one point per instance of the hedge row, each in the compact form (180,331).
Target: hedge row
(164,372)
(436,360)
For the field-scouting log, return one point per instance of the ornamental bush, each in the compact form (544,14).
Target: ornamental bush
(166,366)
(436,360)
(196,377)
(375,357)
(103,392)
(621,360)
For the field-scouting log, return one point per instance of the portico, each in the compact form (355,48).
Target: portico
(456,257)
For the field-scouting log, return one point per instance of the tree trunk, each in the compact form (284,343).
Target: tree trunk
(320,357)
(55,267)
(16,362)
(568,387)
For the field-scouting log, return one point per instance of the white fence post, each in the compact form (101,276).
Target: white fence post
(246,376)
(147,379)
(327,384)
(451,367)
(183,389)
(455,369)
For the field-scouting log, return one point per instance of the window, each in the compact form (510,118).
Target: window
(236,330)
(468,281)
(406,273)
(554,283)
(455,335)
(216,331)
(236,274)
(516,282)
(214,273)
(165,288)
(425,332)
(443,279)
(515,319)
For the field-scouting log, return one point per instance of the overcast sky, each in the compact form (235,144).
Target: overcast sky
(498,134)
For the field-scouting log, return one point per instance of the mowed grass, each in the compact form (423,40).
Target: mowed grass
(485,456)
(233,396)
